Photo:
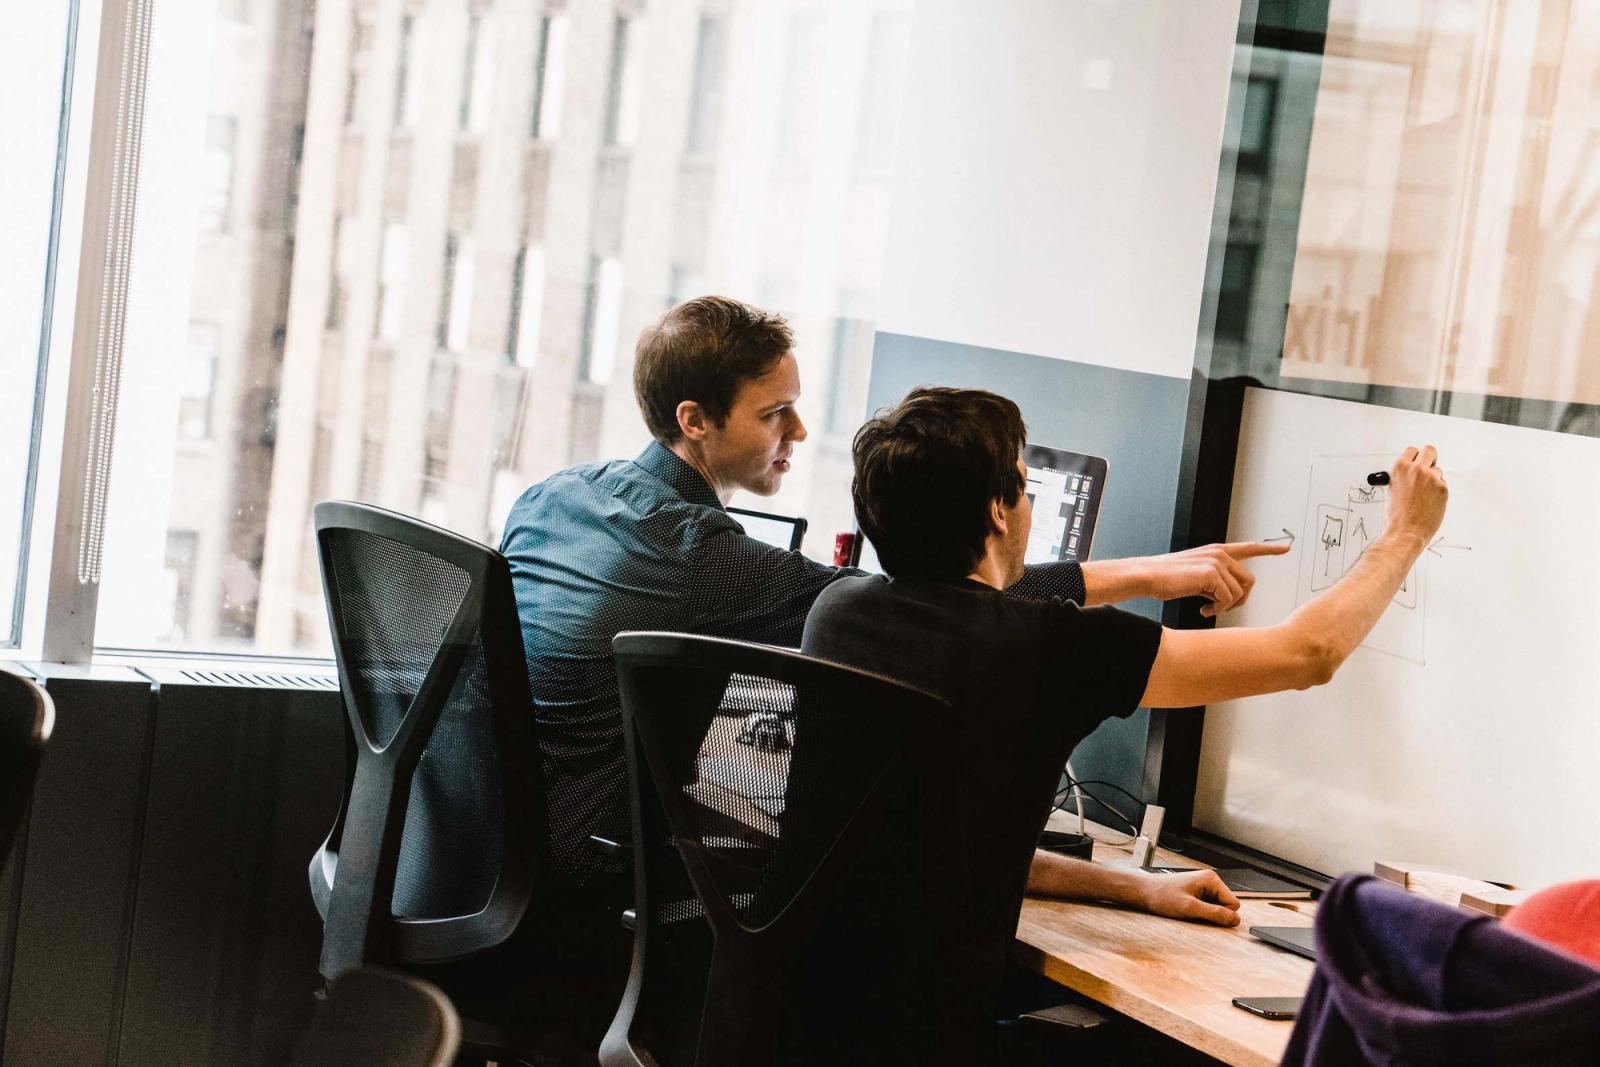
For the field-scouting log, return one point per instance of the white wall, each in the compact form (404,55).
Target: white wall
(1056,176)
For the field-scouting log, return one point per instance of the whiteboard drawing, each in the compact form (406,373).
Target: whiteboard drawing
(1344,515)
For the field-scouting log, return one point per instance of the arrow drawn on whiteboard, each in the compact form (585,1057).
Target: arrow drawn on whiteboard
(1361,532)
(1288,535)
(1439,543)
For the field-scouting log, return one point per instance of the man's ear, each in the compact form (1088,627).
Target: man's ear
(692,420)
(997,518)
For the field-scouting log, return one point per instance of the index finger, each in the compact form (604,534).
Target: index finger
(1251,549)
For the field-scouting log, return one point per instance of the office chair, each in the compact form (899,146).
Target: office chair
(798,903)
(441,834)
(27,717)
(1402,979)
(376,1016)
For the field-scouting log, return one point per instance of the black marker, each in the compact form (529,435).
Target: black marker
(1378,478)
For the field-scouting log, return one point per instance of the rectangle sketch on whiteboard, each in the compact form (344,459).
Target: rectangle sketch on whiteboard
(1344,515)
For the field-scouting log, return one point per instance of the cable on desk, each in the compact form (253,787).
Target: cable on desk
(1133,827)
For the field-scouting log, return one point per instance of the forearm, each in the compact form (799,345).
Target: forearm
(1051,875)
(1340,619)
(1113,581)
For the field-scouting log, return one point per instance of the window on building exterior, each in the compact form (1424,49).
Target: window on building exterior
(622,86)
(477,78)
(221,130)
(549,75)
(706,99)
(602,310)
(402,79)
(196,381)
(455,293)
(527,302)
(394,266)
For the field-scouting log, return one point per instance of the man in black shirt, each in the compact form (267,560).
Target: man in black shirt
(939,490)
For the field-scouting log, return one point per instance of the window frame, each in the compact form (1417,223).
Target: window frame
(25,617)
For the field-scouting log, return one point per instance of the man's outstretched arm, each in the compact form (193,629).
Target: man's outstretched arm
(1216,572)
(1200,895)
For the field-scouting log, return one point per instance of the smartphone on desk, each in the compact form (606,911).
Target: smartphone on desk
(1269,1007)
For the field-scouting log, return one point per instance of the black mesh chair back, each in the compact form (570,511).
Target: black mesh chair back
(800,885)
(376,1016)
(436,847)
(27,716)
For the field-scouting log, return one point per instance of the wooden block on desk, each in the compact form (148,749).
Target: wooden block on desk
(1456,890)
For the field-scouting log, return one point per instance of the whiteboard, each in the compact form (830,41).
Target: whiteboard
(1465,734)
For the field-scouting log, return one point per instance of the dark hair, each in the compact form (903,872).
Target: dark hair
(926,473)
(702,350)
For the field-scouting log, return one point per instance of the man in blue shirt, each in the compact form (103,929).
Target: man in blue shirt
(646,544)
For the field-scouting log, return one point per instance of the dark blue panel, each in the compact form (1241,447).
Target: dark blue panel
(1134,420)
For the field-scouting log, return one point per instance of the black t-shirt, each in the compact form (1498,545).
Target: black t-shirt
(1027,679)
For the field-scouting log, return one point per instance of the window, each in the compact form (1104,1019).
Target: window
(336,269)
(392,274)
(706,98)
(403,117)
(455,294)
(549,76)
(218,180)
(360,34)
(34,49)
(527,299)
(1255,131)
(196,381)
(365,332)
(477,79)
(622,87)
(177,581)
(602,310)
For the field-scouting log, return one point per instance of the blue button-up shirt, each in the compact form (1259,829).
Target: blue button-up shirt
(642,544)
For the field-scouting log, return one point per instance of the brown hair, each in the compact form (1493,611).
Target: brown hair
(702,350)
(926,473)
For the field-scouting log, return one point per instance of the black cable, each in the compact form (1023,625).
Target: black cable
(1133,827)
(1074,783)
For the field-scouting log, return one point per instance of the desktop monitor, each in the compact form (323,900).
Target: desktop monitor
(1065,489)
(780,531)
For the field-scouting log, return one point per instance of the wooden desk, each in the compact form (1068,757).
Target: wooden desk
(1177,977)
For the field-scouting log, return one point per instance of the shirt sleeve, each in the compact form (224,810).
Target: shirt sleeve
(1044,581)
(1099,659)
(752,591)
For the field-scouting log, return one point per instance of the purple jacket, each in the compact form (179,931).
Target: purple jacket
(1403,980)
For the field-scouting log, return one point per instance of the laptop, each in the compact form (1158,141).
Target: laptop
(1301,940)
(780,531)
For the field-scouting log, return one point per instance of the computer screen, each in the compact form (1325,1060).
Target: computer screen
(779,530)
(1065,489)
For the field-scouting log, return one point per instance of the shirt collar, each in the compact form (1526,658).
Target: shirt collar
(661,461)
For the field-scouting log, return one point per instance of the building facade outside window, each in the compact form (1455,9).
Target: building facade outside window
(435,265)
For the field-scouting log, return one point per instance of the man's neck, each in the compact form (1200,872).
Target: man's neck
(691,455)
(991,569)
